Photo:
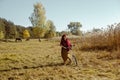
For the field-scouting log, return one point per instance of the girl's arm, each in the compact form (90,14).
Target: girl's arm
(63,47)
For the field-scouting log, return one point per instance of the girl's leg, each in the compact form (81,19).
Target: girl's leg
(64,57)
(70,58)
(64,54)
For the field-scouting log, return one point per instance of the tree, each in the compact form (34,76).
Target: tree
(78,32)
(50,25)
(38,20)
(26,34)
(30,29)
(1,35)
(74,27)
(2,28)
(51,30)
(50,34)
(10,29)
(96,30)
(2,25)
(20,30)
(38,32)
(13,31)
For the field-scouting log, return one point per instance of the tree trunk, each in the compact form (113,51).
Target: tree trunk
(39,39)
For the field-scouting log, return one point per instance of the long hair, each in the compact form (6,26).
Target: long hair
(62,38)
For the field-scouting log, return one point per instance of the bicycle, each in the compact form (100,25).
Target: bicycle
(72,56)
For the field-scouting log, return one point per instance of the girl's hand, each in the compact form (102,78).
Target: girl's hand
(63,47)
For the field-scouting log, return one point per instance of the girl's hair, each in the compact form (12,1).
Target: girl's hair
(64,35)
(62,38)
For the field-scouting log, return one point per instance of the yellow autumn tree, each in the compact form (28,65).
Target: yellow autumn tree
(1,35)
(26,34)
(51,30)
(38,20)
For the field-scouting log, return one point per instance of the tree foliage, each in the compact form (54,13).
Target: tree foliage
(50,29)
(38,29)
(26,34)
(38,32)
(38,20)
(1,35)
(2,24)
(38,16)
(10,30)
(20,30)
(74,27)
(30,29)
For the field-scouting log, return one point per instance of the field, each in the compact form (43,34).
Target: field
(33,60)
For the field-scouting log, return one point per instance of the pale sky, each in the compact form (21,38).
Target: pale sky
(91,13)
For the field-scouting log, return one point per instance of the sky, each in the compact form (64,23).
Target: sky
(90,13)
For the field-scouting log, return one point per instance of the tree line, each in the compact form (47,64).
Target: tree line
(8,30)
(41,28)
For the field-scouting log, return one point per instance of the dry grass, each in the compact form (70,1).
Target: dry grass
(35,60)
(107,39)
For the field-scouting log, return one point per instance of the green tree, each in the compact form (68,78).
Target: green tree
(38,32)
(10,30)
(50,34)
(13,31)
(50,25)
(96,30)
(1,35)
(30,29)
(38,20)
(74,27)
(20,30)
(51,30)
(2,25)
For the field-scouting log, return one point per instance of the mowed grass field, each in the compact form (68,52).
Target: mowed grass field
(33,60)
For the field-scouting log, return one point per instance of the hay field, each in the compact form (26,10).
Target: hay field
(33,60)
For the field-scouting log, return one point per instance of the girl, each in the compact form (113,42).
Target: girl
(66,46)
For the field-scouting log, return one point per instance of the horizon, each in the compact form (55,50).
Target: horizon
(89,13)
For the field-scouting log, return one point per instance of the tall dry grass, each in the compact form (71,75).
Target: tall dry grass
(102,40)
(106,39)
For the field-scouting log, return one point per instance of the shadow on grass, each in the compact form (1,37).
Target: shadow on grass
(32,67)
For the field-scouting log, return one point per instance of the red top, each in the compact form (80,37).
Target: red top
(66,43)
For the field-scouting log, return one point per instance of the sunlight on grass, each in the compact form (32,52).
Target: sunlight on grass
(35,60)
